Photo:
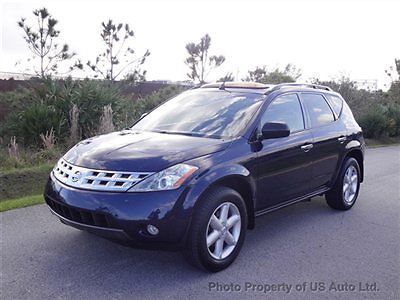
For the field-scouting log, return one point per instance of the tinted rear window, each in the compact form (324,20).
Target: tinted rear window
(318,109)
(336,103)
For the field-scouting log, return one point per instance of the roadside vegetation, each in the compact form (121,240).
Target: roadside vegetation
(44,117)
(21,202)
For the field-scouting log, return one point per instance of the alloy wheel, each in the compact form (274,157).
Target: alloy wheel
(350,184)
(223,230)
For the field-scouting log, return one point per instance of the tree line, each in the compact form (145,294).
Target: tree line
(118,58)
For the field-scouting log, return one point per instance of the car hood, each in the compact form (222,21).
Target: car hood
(134,151)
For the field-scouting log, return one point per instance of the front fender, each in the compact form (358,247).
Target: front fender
(200,184)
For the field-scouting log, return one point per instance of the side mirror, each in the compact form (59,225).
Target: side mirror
(274,130)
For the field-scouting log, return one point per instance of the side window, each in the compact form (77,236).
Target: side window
(285,109)
(319,111)
(336,103)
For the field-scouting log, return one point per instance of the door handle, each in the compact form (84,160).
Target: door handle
(307,147)
(342,139)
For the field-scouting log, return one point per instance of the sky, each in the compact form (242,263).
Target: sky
(325,39)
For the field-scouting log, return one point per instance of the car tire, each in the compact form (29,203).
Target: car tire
(221,215)
(344,193)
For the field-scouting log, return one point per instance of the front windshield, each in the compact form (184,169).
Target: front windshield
(215,114)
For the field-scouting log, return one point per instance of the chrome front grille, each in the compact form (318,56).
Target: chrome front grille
(99,180)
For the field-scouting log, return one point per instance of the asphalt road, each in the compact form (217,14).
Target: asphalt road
(299,245)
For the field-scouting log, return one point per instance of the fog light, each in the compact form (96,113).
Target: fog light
(153,230)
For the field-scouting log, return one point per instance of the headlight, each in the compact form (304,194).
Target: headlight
(168,179)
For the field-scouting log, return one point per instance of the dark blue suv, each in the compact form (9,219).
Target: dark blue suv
(195,172)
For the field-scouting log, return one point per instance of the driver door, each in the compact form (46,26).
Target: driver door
(284,164)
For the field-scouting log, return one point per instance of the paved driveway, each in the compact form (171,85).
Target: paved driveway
(289,252)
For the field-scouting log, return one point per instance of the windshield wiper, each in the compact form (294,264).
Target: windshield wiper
(195,134)
(177,132)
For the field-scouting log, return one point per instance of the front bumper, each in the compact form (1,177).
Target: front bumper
(110,233)
(123,217)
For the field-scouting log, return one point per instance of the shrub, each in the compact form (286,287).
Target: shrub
(394,92)
(11,104)
(393,114)
(13,101)
(375,123)
(91,97)
(49,103)
(36,120)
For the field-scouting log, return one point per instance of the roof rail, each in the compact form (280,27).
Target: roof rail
(239,85)
(309,85)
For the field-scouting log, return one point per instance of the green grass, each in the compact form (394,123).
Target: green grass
(17,183)
(41,168)
(23,187)
(20,202)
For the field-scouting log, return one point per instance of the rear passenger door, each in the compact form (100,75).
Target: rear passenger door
(329,137)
